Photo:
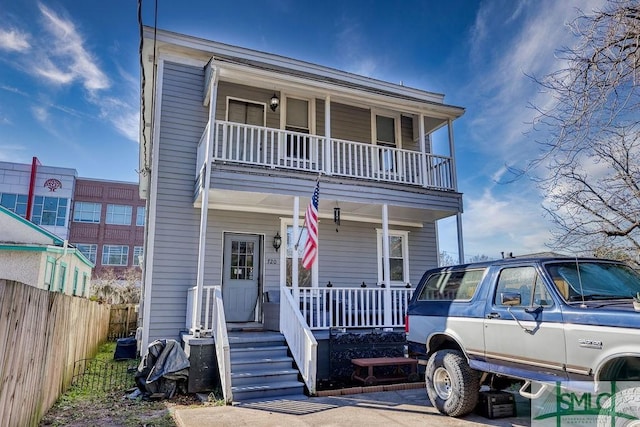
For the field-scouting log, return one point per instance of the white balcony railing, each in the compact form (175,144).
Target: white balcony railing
(276,148)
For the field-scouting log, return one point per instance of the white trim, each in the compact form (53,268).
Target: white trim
(151,210)
(211,47)
(404,234)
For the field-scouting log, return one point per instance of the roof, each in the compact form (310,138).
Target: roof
(17,230)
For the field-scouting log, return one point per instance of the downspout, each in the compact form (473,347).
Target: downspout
(32,186)
(204,208)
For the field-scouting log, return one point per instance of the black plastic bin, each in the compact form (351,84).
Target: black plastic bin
(125,348)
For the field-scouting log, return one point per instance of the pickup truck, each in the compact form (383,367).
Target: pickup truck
(523,320)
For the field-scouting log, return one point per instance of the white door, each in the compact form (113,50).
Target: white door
(241,276)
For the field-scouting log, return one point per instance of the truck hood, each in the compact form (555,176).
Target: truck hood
(616,313)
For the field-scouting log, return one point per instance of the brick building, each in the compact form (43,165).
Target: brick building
(107,225)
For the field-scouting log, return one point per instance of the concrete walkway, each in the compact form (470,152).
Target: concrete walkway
(387,408)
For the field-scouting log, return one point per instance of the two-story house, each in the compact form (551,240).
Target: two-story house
(233,142)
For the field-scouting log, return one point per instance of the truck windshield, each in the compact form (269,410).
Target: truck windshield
(592,280)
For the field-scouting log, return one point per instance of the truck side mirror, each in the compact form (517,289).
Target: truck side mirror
(510,299)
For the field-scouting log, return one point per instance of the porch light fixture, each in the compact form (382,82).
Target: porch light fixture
(277,242)
(274,102)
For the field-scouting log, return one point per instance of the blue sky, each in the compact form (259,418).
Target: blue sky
(69,82)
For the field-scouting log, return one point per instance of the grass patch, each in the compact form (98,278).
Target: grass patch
(96,401)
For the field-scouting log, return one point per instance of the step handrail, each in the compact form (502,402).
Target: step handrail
(300,339)
(221,340)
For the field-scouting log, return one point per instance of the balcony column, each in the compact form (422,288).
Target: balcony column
(328,161)
(204,209)
(386,269)
(454,177)
(423,151)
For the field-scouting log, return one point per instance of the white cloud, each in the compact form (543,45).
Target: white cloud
(12,153)
(14,40)
(72,61)
(353,48)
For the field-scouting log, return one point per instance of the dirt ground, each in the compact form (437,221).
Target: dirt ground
(116,410)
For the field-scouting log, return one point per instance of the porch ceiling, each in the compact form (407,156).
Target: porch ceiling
(279,204)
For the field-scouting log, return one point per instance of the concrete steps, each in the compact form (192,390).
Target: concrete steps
(261,368)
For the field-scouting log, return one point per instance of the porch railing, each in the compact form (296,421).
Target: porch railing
(213,321)
(325,308)
(276,148)
(302,343)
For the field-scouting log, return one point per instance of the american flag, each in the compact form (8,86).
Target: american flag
(311,219)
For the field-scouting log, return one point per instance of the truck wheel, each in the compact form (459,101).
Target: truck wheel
(452,385)
(621,410)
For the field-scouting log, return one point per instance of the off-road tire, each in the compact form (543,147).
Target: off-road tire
(452,385)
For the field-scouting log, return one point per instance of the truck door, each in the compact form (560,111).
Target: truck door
(524,337)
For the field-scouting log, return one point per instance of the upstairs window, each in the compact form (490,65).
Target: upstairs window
(297,120)
(140,216)
(50,211)
(87,212)
(118,214)
(16,203)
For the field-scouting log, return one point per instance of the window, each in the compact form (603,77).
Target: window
(451,285)
(524,281)
(84,283)
(245,112)
(16,203)
(49,270)
(50,211)
(88,250)
(140,216)
(242,260)
(118,214)
(398,257)
(385,135)
(298,121)
(62,278)
(75,281)
(138,251)
(87,212)
(115,255)
(304,275)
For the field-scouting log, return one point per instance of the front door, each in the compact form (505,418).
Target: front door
(241,276)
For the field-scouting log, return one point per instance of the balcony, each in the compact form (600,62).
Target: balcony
(242,144)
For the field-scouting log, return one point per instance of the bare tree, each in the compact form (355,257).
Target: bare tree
(592,153)
(446,259)
(115,288)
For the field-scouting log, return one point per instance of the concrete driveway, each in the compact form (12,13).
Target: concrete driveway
(388,408)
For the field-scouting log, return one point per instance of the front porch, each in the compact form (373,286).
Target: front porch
(304,314)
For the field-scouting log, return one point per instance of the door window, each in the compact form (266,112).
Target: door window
(242,259)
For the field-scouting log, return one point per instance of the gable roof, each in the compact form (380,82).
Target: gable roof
(16,230)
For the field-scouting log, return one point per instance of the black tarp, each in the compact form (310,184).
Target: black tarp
(164,369)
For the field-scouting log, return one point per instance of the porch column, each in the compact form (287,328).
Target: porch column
(328,161)
(460,241)
(423,152)
(204,209)
(386,267)
(294,258)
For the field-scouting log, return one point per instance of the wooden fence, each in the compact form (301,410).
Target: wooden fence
(123,321)
(42,334)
